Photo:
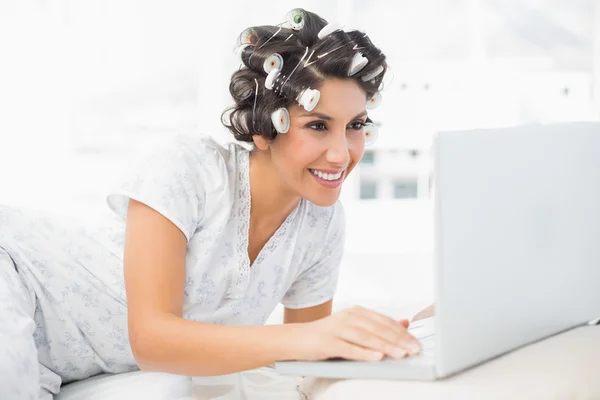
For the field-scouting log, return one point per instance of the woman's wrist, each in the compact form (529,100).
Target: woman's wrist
(286,339)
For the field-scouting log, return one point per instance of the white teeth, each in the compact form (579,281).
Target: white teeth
(326,176)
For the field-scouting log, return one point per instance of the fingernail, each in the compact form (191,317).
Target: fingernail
(376,356)
(413,348)
(398,352)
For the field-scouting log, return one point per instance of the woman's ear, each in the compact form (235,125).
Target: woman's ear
(260,142)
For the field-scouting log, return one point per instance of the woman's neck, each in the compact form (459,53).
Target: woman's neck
(271,201)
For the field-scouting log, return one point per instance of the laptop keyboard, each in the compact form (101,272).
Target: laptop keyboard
(424,332)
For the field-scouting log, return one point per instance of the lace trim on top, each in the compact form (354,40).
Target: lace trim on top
(241,279)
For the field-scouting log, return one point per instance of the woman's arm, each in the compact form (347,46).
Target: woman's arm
(296,315)
(160,338)
(163,341)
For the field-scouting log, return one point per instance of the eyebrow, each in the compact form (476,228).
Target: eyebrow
(328,118)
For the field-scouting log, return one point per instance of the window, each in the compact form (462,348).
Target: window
(405,189)
(368,190)
(368,157)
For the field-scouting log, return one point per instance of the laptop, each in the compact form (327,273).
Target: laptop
(516,249)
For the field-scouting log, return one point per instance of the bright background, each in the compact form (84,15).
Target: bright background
(86,85)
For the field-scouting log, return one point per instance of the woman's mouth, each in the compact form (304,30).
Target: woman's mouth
(329,179)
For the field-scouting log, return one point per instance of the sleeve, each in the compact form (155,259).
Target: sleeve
(170,181)
(317,283)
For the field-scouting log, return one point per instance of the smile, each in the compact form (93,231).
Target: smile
(326,176)
(328,179)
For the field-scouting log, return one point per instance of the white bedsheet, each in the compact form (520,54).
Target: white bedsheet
(260,384)
(132,385)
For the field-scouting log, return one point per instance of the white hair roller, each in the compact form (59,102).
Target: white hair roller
(240,50)
(270,81)
(295,19)
(373,74)
(274,61)
(374,101)
(281,120)
(308,99)
(358,63)
(371,133)
(226,117)
(329,29)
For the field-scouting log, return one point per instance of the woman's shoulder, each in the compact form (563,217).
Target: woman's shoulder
(205,153)
(203,146)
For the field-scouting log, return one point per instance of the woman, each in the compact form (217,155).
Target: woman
(208,238)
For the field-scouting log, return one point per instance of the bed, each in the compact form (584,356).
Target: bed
(566,366)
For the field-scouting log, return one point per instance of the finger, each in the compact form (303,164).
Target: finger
(413,346)
(425,313)
(387,328)
(372,341)
(350,351)
(392,336)
(378,317)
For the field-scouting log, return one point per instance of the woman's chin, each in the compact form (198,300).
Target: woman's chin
(323,199)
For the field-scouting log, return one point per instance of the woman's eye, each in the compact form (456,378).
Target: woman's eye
(318,126)
(357,125)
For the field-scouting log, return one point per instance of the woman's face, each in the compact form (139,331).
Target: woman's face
(322,146)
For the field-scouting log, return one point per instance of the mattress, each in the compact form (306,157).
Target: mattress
(258,384)
(132,385)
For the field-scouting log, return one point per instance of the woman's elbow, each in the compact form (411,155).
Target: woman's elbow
(143,347)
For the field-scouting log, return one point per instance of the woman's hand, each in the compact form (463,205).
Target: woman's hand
(424,313)
(354,334)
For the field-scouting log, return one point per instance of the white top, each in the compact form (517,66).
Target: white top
(203,188)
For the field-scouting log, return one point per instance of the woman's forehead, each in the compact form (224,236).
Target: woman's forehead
(340,98)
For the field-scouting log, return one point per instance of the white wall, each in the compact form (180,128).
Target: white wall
(86,84)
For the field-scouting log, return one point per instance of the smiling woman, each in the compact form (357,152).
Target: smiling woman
(321,147)
(208,239)
(301,98)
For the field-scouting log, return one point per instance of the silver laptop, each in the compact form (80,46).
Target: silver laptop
(517,249)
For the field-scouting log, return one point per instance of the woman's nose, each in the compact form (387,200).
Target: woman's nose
(338,153)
